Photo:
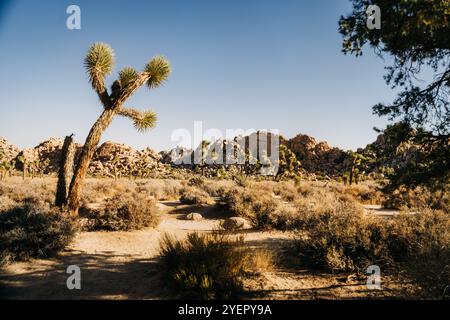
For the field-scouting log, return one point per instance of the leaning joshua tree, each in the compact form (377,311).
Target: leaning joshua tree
(99,63)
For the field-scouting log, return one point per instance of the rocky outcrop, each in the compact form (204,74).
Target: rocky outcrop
(317,156)
(8,151)
(117,159)
(44,158)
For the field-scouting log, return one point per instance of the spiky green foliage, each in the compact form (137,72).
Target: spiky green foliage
(159,70)
(127,75)
(143,120)
(99,62)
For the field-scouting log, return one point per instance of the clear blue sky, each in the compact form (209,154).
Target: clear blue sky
(258,64)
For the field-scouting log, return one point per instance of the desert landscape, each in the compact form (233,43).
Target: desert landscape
(105,211)
(129,220)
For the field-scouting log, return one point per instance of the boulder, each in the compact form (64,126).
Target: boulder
(194,216)
(236,223)
(8,150)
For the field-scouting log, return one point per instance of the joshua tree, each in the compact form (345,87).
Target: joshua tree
(23,161)
(99,63)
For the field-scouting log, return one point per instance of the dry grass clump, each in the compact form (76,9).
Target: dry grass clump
(365,192)
(6,203)
(193,195)
(33,231)
(160,189)
(418,199)
(130,211)
(97,190)
(30,190)
(260,261)
(211,266)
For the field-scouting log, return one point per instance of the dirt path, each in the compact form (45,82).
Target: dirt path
(123,265)
(114,265)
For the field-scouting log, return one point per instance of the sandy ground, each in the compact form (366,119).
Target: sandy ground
(124,265)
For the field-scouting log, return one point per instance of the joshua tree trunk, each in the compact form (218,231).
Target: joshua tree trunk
(351,174)
(65,171)
(24,172)
(86,155)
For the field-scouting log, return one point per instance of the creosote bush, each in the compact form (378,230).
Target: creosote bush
(129,211)
(33,230)
(205,265)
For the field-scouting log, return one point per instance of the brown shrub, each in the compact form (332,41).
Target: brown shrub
(418,199)
(205,265)
(6,203)
(33,230)
(192,195)
(255,205)
(131,211)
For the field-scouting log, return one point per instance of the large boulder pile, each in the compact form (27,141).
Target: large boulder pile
(117,159)
(45,157)
(317,156)
(8,151)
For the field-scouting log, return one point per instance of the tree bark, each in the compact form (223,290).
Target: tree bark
(65,171)
(351,174)
(86,155)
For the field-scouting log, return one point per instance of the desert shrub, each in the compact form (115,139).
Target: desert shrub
(241,180)
(205,266)
(6,203)
(344,239)
(286,218)
(130,211)
(218,188)
(260,261)
(196,181)
(341,239)
(192,195)
(420,243)
(255,205)
(418,199)
(368,193)
(33,230)
(36,190)
(160,189)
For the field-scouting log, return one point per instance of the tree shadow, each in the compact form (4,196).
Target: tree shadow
(104,275)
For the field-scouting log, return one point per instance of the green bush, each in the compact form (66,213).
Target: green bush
(33,231)
(205,266)
(130,211)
